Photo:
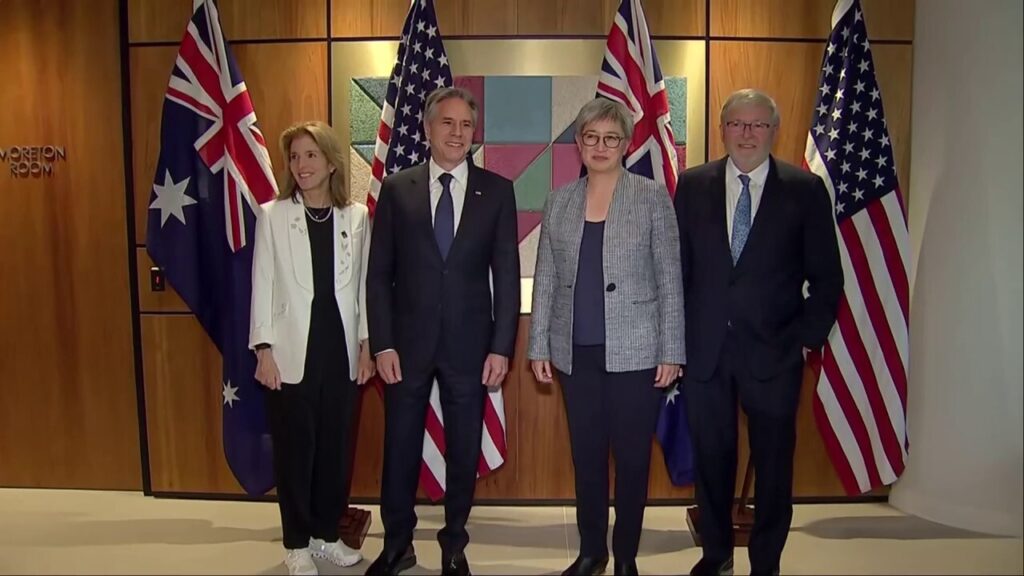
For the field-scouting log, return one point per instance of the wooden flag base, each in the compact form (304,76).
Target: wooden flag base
(742,522)
(742,515)
(353,527)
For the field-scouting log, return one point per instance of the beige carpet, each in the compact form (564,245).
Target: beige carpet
(85,532)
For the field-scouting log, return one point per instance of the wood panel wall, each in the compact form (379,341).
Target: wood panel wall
(68,413)
(282,50)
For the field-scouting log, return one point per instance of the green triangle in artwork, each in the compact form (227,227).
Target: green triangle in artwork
(365,152)
(364,117)
(534,185)
(375,87)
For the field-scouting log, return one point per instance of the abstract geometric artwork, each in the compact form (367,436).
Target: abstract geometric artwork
(524,132)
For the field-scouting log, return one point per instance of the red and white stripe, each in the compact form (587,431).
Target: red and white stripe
(861,396)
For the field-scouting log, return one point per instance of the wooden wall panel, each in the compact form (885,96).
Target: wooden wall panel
(268,19)
(368,18)
(595,17)
(477,17)
(182,371)
(150,301)
(68,416)
(885,19)
(788,71)
(287,83)
(164,20)
(565,17)
(157,20)
(675,17)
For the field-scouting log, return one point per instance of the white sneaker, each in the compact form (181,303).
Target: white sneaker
(334,552)
(300,562)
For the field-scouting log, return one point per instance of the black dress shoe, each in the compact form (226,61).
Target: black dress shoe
(625,567)
(708,568)
(586,566)
(455,565)
(385,565)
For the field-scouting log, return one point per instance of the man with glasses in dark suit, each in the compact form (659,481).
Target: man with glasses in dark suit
(753,231)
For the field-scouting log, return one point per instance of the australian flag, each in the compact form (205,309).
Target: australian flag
(212,175)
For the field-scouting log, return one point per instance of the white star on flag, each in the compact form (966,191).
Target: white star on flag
(230,394)
(670,398)
(171,199)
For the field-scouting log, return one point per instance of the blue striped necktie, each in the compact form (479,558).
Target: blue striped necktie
(741,221)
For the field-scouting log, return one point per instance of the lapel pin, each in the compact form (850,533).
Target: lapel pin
(478,193)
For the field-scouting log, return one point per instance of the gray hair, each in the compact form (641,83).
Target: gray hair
(605,109)
(750,96)
(442,94)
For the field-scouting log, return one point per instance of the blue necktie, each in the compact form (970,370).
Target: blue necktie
(741,221)
(444,217)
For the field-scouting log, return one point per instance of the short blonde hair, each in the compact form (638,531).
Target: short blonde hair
(605,109)
(330,147)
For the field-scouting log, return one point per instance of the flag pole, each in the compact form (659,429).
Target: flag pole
(742,513)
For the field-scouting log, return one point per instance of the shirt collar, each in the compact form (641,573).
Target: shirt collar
(757,175)
(460,173)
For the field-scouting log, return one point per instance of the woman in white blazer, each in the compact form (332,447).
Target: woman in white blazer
(309,332)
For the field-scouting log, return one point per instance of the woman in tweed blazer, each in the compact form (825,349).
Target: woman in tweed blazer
(608,314)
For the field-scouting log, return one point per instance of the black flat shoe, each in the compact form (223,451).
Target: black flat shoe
(625,567)
(586,566)
(385,565)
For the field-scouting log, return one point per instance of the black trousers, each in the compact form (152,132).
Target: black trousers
(770,406)
(310,423)
(619,409)
(405,409)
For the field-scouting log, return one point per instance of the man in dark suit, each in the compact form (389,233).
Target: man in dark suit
(753,231)
(441,232)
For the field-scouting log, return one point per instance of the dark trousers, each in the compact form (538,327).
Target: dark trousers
(770,406)
(619,409)
(405,409)
(310,426)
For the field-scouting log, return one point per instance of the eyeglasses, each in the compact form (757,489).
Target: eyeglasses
(610,140)
(740,126)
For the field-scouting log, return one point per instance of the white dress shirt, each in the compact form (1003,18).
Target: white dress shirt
(733,189)
(460,176)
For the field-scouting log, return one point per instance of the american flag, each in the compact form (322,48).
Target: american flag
(421,68)
(212,175)
(861,398)
(631,75)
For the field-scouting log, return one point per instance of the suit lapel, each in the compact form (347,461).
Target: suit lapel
(298,242)
(342,247)
(420,183)
(471,207)
(719,222)
(617,210)
(575,214)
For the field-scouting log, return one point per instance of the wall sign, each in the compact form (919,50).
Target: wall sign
(32,161)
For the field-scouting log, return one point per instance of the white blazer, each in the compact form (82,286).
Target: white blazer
(282,282)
